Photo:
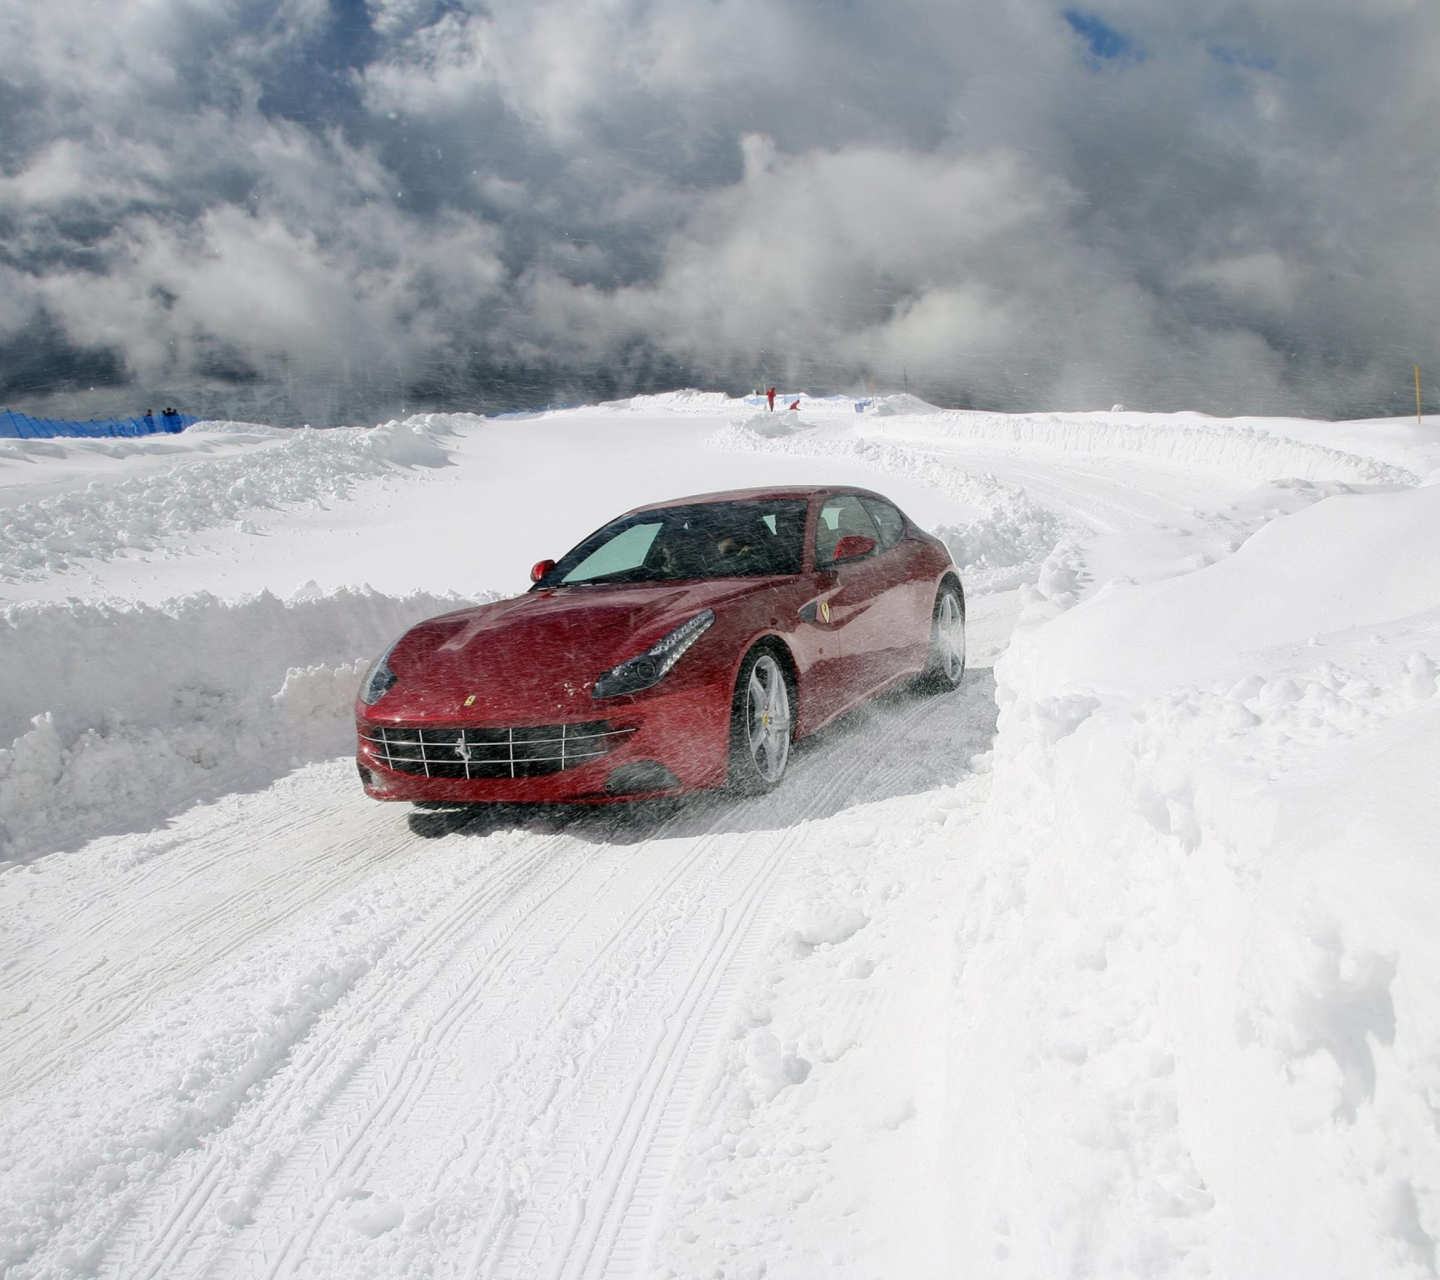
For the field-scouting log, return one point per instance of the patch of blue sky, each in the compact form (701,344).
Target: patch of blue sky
(1238,71)
(1106,44)
(1233,57)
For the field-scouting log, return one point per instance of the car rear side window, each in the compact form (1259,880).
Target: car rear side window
(887,519)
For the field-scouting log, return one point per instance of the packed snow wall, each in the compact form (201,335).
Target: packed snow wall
(1196,1014)
(129,713)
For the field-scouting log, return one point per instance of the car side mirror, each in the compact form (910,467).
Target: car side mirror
(541,569)
(854,545)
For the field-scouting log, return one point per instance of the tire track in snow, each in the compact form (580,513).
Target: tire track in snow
(612,1202)
(290,889)
(592,962)
(642,1147)
(380,1069)
(283,1109)
(412,1081)
(340,1152)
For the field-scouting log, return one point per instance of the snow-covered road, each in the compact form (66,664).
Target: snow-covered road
(285,1031)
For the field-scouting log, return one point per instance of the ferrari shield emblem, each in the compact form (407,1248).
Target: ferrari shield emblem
(824,611)
(470,701)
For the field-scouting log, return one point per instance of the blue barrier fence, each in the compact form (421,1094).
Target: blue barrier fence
(22,426)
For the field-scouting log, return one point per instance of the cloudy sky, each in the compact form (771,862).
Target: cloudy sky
(328,210)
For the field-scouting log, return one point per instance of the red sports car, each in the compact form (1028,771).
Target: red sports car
(683,646)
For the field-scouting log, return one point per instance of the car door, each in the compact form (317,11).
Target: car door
(913,584)
(865,606)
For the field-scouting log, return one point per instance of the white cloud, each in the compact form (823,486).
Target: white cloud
(830,249)
(1264,278)
(471,197)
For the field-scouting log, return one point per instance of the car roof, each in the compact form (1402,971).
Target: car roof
(751,495)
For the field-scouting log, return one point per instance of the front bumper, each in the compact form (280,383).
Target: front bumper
(671,742)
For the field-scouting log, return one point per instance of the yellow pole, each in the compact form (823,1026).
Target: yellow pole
(1418,421)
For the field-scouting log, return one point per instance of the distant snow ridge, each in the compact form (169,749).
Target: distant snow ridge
(1001,548)
(128,713)
(707,402)
(687,401)
(301,467)
(1230,447)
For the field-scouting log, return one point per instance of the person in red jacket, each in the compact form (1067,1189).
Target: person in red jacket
(795,403)
(770,396)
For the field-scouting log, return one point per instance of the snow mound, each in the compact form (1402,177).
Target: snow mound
(407,444)
(444,424)
(1200,957)
(901,404)
(126,714)
(773,426)
(297,468)
(1003,547)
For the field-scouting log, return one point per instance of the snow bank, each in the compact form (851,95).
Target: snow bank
(1350,561)
(1191,440)
(1199,1020)
(124,714)
(138,513)
(112,447)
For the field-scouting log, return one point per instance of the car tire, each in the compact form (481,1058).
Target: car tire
(945,668)
(762,722)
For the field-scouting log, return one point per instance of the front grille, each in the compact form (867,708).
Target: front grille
(492,753)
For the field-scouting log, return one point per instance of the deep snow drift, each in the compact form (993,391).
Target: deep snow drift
(1198,986)
(1138,980)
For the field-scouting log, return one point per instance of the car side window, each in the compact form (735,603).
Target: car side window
(887,519)
(842,515)
(626,550)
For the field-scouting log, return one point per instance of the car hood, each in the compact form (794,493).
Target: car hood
(537,657)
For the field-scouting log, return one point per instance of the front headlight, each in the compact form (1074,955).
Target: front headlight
(652,666)
(379,679)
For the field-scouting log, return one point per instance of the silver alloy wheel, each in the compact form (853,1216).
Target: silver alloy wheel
(950,637)
(767,718)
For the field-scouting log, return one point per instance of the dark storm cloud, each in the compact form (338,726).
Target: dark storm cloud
(329,210)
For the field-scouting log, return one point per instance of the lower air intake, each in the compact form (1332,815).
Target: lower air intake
(530,752)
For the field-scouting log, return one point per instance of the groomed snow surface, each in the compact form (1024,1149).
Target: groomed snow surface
(1119,961)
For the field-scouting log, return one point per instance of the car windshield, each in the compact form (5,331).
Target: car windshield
(704,540)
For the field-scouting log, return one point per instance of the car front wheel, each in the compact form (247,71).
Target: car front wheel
(761,724)
(946,667)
